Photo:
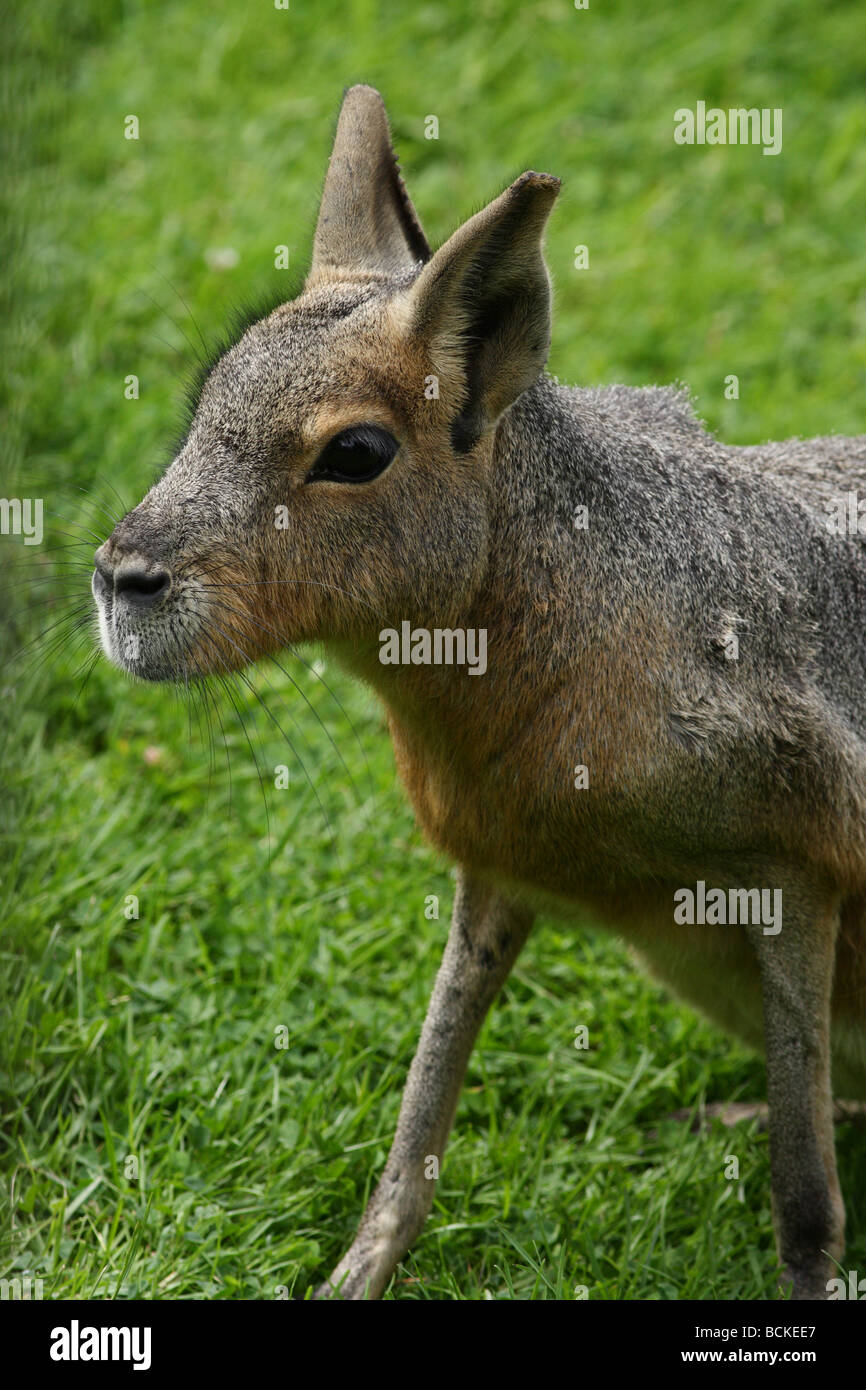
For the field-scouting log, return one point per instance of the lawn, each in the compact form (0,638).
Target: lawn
(212,987)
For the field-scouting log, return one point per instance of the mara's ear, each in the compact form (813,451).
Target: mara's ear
(482,304)
(366,220)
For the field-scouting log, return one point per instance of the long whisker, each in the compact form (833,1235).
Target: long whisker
(176,291)
(27,599)
(45,550)
(90,664)
(265,627)
(337,701)
(207,695)
(226,687)
(179,326)
(94,535)
(23,590)
(248,683)
(99,507)
(79,497)
(32,566)
(202,705)
(282,639)
(58,641)
(84,608)
(124,506)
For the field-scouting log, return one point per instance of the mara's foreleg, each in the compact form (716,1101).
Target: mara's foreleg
(796,980)
(483,943)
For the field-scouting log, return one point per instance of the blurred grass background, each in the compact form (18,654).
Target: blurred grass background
(156,1141)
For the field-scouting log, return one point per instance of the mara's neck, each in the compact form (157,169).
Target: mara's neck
(510,634)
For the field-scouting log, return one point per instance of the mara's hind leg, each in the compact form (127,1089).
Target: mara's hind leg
(849,1002)
(796,966)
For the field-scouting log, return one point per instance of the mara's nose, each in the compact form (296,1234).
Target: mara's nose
(130,580)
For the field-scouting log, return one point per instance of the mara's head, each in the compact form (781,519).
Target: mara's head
(337,475)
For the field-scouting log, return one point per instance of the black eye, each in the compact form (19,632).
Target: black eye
(355,456)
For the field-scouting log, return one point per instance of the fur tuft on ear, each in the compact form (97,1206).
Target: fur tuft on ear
(367,224)
(482,304)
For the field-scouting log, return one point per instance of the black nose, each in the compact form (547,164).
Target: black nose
(139,587)
(131,582)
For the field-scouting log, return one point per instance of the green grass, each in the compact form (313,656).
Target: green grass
(153,1038)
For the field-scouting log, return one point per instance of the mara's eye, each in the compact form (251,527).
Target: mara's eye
(355,456)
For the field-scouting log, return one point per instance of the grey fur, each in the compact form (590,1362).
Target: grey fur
(609,646)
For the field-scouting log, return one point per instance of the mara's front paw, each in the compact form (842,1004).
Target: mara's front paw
(352,1281)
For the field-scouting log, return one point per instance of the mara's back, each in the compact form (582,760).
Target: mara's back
(643,508)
